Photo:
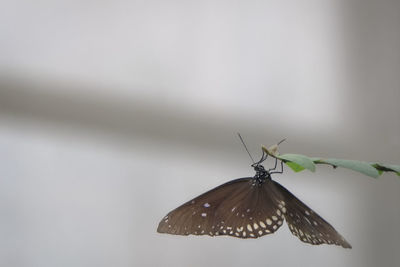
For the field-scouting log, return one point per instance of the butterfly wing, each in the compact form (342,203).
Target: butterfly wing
(201,210)
(238,208)
(242,208)
(307,225)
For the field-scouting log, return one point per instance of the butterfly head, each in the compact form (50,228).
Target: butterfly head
(258,167)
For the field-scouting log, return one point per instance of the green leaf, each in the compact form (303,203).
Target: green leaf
(387,167)
(355,165)
(304,162)
(395,168)
(298,162)
(294,166)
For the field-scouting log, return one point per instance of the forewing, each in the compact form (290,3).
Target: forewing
(239,208)
(306,224)
(200,211)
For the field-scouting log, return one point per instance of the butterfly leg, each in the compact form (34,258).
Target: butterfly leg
(274,168)
(263,158)
(281,171)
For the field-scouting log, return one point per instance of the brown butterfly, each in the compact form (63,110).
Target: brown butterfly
(250,208)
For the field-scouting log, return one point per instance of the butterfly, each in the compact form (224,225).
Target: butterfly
(250,207)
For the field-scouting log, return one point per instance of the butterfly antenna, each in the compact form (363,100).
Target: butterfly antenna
(241,139)
(284,139)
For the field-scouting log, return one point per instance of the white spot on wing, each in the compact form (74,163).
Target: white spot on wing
(204,214)
(249,227)
(207,205)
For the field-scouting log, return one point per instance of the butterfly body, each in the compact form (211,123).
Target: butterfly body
(261,175)
(250,207)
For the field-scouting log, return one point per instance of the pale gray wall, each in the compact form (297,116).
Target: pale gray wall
(113,113)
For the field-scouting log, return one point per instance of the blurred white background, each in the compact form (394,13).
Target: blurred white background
(112,113)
